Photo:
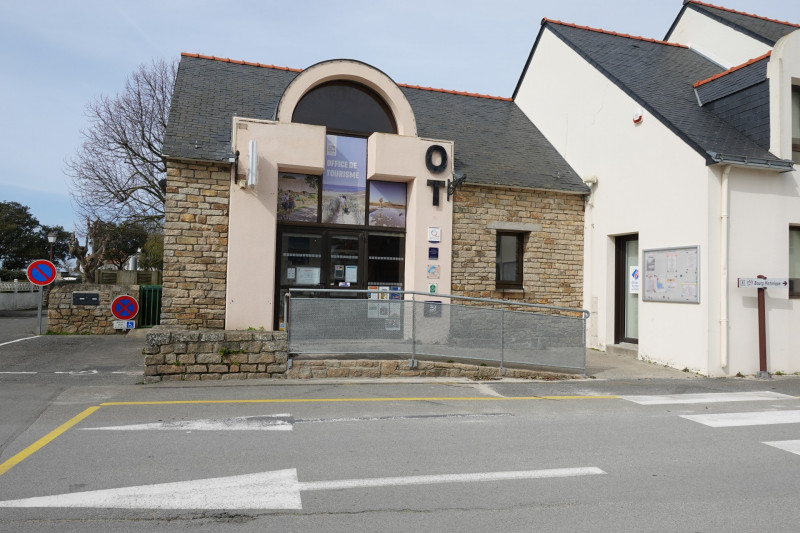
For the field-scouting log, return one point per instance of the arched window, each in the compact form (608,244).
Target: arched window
(345,107)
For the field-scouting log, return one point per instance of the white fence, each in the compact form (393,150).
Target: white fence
(18,295)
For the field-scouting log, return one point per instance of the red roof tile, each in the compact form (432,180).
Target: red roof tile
(462,93)
(732,69)
(740,13)
(612,33)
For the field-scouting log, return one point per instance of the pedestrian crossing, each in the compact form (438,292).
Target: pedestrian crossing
(733,420)
(758,418)
(712,397)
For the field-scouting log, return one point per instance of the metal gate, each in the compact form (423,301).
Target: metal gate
(149,305)
(414,323)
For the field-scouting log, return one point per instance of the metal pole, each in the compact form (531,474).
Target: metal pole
(762,331)
(413,333)
(41,299)
(502,337)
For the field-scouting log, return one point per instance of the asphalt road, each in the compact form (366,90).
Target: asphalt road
(383,455)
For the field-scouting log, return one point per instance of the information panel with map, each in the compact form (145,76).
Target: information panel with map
(672,275)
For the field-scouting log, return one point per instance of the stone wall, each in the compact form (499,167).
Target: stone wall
(553,246)
(64,317)
(378,368)
(195,245)
(175,354)
(179,354)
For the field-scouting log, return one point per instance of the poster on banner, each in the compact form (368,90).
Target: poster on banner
(344,180)
(634,280)
(387,204)
(297,197)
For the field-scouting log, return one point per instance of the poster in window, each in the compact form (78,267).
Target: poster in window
(297,197)
(387,204)
(344,181)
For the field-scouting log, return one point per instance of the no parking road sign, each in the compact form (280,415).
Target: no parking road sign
(41,272)
(124,307)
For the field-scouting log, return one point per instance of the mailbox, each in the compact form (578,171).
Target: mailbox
(85,298)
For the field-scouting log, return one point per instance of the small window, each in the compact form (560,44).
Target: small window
(794,262)
(508,270)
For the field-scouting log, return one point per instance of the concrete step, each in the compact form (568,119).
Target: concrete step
(623,348)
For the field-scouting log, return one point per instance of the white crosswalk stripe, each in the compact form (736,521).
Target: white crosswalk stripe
(759,418)
(732,420)
(711,397)
(792,446)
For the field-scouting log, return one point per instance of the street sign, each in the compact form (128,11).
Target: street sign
(124,307)
(124,324)
(763,283)
(41,272)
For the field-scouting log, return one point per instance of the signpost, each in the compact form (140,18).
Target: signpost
(762,283)
(41,272)
(125,308)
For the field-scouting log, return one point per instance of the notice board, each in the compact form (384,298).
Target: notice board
(672,275)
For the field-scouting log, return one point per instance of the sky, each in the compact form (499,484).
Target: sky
(57,56)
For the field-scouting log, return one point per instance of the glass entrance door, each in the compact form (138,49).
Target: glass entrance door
(626,321)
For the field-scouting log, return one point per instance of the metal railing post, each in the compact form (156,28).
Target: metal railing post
(502,336)
(413,361)
(286,321)
(585,321)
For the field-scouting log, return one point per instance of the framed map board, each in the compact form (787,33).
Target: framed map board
(672,275)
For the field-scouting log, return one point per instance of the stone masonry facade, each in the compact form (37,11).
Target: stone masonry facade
(552,224)
(195,245)
(65,317)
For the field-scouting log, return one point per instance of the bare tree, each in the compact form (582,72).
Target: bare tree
(117,172)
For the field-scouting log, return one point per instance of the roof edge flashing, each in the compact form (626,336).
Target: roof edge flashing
(779,165)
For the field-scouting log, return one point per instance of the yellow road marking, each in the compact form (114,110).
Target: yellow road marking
(330,400)
(41,443)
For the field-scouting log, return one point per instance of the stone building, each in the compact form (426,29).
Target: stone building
(337,177)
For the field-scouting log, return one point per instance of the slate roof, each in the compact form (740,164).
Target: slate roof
(763,29)
(495,143)
(660,77)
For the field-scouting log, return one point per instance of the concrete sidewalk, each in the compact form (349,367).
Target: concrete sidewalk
(602,365)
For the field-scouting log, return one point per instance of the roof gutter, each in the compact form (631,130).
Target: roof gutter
(779,165)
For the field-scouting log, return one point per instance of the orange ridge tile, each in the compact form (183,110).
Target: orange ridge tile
(741,13)
(238,62)
(461,93)
(732,69)
(226,60)
(636,37)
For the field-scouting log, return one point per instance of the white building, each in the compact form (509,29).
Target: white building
(688,144)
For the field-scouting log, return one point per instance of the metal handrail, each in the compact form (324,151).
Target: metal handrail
(584,312)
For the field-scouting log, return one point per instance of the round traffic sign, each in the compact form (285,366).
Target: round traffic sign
(41,272)
(125,307)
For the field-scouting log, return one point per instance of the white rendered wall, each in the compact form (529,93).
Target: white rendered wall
(762,207)
(720,43)
(783,71)
(650,182)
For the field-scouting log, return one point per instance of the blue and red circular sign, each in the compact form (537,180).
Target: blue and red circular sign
(125,307)
(41,272)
